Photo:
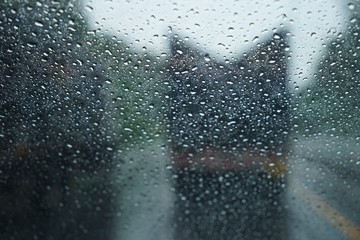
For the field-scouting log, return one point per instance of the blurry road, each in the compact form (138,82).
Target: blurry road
(147,197)
(323,196)
(324,190)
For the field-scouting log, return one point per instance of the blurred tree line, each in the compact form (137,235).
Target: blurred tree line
(134,79)
(330,104)
(70,97)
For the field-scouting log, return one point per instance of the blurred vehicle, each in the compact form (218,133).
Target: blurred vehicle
(228,130)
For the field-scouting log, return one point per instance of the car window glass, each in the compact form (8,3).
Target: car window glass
(179,120)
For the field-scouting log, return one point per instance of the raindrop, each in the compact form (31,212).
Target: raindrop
(276,36)
(108,52)
(39,24)
(351,6)
(80,62)
(89,8)
(207,57)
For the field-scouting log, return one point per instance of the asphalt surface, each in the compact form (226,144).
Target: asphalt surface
(324,190)
(322,197)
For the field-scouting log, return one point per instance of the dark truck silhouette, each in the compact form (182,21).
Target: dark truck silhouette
(228,121)
(238,110)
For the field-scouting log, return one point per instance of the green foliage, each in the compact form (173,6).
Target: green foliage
(134,84)
(133,76)
(331,104)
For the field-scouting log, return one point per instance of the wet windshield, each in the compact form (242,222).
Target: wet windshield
(179,120)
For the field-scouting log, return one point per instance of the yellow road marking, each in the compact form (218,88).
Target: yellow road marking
(350,229)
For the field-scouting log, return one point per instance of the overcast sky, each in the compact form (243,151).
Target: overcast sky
(224,28)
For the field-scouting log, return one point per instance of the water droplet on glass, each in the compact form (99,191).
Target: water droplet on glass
(89,8)
(276,36)
(39,24)
(207,57)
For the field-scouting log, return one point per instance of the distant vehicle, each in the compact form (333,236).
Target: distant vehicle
(232,116)
(228,129)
